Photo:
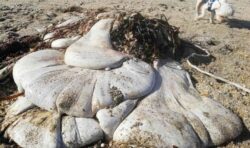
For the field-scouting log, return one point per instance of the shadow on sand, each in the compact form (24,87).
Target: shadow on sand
(244,136)
(240,24)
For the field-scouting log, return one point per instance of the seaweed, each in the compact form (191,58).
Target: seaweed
(145,38)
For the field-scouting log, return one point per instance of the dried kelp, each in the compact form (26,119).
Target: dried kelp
(146,38)
(17,46)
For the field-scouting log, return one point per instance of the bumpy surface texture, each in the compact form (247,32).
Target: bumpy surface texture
(81,91)
(103,93)
(175,115)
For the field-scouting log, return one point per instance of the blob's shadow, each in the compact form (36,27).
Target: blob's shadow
(240,24)
(244,136)
(188,48)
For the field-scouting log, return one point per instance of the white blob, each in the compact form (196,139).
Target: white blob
(49,36)
(35,128)
(19,106)
(94,50)
(35,61)
(75,91)
(175,115)
(64,42)
(79,132)
(109,119)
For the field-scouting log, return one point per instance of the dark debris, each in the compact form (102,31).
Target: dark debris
(146,39)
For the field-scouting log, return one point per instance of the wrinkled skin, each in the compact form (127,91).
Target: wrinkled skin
(132,101)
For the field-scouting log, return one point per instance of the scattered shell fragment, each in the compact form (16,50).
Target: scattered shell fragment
(70,21)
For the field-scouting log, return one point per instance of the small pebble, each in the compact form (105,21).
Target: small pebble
(51,14)
(26,12)
(103,145)
(243,93)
